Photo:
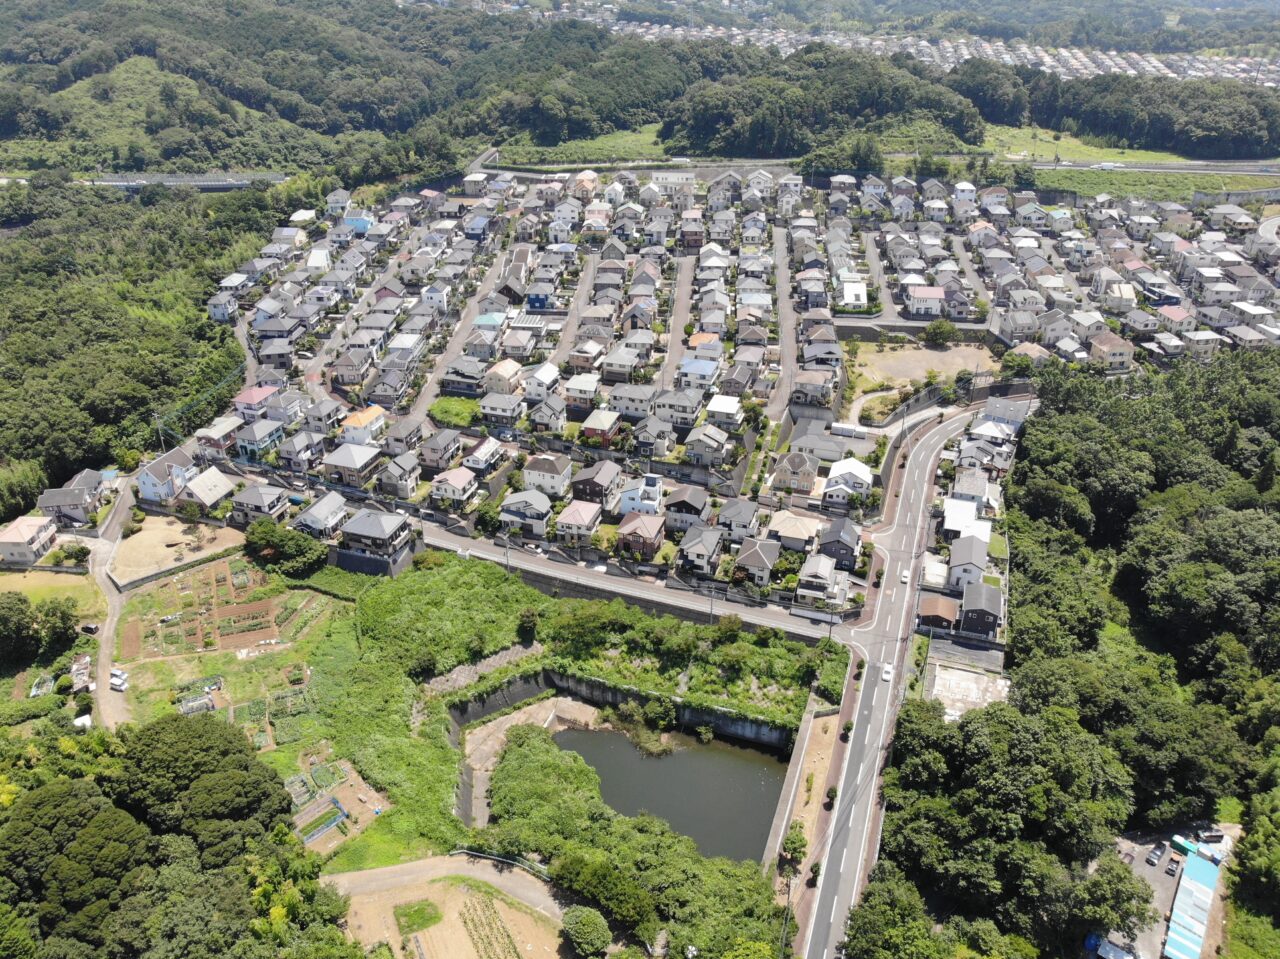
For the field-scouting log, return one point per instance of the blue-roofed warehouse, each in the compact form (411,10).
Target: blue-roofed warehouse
(1189,919)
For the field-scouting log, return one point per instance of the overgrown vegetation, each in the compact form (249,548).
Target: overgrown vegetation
(642,875)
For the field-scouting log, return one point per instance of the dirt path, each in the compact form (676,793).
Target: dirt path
(405,882)
(485,743)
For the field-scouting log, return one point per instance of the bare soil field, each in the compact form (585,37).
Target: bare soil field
(477,921)
(164,542)
(901,366)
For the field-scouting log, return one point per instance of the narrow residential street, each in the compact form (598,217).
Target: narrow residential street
(111,707)
(680,306)
(776,409)
(581,300)
(458,339)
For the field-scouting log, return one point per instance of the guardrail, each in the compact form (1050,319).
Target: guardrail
(532,868)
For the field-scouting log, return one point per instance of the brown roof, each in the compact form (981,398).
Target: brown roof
(942,607)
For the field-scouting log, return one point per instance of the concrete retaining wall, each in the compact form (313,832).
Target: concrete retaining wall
(599,693)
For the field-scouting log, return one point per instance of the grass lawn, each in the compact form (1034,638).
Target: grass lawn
(1152,186)
(619,146)
(1034,143)
(37,585)
(992,581)
(998,548)
(666,554)
(413,917)
(453,411)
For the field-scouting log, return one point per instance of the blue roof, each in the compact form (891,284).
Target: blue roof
(1189,918)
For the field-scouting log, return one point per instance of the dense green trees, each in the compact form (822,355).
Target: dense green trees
(102,335)
(284,549)
(31,631)
(815,96)
(1145,552)
(587,931)
(117,860)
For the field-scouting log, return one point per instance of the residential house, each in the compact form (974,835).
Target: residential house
(324,517)
(364,427)
(687,506)
(643,494)
(161,480)
(795,532)
(820,583)
(440,449)
(76,502)
(849,480)
(502,409)
(981,609)
(485,456)
(842,542)
(739,518)
(548,473)
(302,451)
(207,489)
(27,539)
(681,408)
(578,522)
(372,541)
(967,561)
(795,472)
(640,534)
(400,476)
(1114,352)
(709,446)
(654,438)
(454,488)
(601,482)
(526,513)
(756,559)
(353,465)
(700,548)
(258,501)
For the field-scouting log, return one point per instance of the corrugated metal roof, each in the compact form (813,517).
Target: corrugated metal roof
(1189,919)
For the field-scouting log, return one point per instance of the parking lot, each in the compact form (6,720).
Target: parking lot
(1133,850)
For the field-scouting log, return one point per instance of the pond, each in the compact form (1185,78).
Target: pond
(721,795)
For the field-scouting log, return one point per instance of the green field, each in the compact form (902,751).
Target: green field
(38,585)
(1153,186)
(413,917)
(1034,143)
(617,147)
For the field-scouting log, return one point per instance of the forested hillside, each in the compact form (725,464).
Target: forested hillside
(171,840)
(1146,670)
(102,322)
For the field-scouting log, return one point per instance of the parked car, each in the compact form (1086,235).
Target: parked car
(1172,868)
(1157,853)
(90,628)
(1210,835)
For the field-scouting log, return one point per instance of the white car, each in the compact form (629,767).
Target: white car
(906,576)
(886,674)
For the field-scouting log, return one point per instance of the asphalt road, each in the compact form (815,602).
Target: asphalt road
(680,315)
(787,349)
(458,339)
(882,640)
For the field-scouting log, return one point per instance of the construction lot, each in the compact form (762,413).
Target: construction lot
(963,677)
(164,542)
(902,365)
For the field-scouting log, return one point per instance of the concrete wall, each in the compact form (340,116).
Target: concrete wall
(725,724)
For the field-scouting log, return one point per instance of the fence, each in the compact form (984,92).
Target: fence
(519,861)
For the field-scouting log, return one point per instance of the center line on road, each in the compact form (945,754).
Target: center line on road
(842,856)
